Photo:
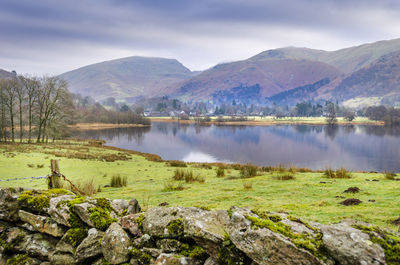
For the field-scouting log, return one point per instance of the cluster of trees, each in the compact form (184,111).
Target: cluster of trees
(89,111)
(42,108)
(389,115)
(43,104)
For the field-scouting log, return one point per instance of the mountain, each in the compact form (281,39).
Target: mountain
(346,60)
(254,78)
(127,78)
(290,75)
(364,74)
(5,74)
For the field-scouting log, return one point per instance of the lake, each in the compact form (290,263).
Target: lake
(358,147)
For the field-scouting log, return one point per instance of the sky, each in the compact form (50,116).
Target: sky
(52,37)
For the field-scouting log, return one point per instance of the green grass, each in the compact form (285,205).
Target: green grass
(303,196)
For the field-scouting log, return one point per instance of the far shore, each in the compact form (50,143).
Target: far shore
(260,121)
(100,126)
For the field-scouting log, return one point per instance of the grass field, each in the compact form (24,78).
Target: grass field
(310,195)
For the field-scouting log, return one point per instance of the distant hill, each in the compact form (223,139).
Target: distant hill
(364,74)
(254,79)
(127,78)
(291,75)
(5,74)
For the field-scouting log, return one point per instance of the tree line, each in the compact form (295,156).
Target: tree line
(30,104)
(42,108)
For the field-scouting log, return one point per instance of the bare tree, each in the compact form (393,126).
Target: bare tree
(49,98)
(10,87)
(20,95)
(3,135)
(31,86)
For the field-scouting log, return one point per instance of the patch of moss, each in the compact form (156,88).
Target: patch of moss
(305,241)
(40,199)
(193,251)
(230,212)
(73,219)
(176,228)
(19,259)
(266,215)
(142,257)
(387,240)
(75,236)
(139,221)
(228,253)
(101,218)
(10,246)
(298,220)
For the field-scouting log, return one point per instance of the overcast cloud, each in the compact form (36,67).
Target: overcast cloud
(47,36)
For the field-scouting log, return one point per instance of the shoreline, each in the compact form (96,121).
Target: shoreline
(100,126)
(265,122)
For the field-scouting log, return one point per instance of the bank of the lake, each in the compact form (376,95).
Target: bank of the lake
(310,195)
(102,126)
(269,120)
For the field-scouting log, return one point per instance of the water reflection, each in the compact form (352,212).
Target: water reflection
(354,147)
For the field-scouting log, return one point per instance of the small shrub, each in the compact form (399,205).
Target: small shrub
(220,172)
(390,175)
(117,181)
(343,173)
(179,174)
(247,185)
(88,187)
(329,173)
(248,171)
(31,165)
(292,169)
(40,165)
(173,186)
(285,176)
(176,163)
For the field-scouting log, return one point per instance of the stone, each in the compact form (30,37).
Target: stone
(62,259)
(264,246)
(115,244)
(173,259)
(60,211)
(154,252)
(82,210)
(119,206)
(64,246)
(39,245)
(129,223)
(168,245)
(8,206)
(42,224)
(20,259)
(90,247)
(211,261)
(143,241)
(133,207)
(348,245)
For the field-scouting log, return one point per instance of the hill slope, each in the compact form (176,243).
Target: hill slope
(127,78)
(254,79)
(5,74)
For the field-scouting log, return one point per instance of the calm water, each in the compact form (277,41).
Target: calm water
(369,148)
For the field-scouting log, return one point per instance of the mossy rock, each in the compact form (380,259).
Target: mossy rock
(39,200)
(390,242)
(176,228)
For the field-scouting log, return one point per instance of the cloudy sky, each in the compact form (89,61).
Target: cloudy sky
(51,37)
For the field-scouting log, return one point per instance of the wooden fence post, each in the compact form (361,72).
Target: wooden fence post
(54,177)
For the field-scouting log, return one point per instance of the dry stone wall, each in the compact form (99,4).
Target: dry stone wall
(60,228)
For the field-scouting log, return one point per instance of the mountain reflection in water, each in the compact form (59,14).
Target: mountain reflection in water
(355,147)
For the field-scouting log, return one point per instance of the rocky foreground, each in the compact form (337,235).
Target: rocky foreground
(58,227)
